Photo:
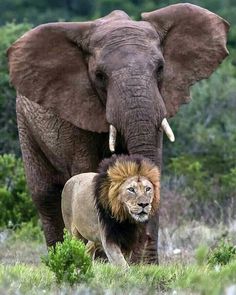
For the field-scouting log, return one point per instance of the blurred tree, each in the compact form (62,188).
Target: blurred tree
(106,6)
(81,7)
(15,202)
(8,128)
(52,10)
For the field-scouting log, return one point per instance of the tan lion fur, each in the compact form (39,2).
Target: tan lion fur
(83,192)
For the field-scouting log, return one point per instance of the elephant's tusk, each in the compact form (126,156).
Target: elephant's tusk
(166,127)
(112,138)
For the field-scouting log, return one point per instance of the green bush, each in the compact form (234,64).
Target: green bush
(15,201)
(228,181)
(28,231)
(195,180)
(69,261)
(8,127)
(224,253)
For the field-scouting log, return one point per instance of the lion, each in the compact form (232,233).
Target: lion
(111,207)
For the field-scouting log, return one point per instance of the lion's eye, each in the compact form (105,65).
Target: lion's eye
(131,189)
(148,189)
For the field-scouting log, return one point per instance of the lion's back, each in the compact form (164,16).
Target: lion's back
(78,207)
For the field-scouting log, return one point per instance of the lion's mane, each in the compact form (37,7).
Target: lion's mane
(112,173)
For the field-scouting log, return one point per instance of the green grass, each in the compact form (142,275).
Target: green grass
(22,273)
(143,279)
(24,279)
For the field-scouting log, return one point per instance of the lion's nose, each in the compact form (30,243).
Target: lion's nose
(143,205)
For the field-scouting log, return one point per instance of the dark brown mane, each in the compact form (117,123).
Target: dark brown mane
(112,173)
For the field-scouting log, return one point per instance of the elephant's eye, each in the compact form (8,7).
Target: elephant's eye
(159,72)
(148,189)
(100,76)
(159,69)
(131,189)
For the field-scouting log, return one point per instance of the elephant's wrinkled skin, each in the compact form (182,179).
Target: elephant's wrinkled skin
(74,79)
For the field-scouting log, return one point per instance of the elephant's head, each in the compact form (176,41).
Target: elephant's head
(120,72)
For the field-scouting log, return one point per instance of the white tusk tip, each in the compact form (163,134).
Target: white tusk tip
(172,138)
(112,138)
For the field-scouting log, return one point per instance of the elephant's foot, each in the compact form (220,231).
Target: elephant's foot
(150,254)
(53,229)
(145,250)
(49,207)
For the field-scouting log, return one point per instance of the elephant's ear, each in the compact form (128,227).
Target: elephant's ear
(47,65)
(194,44)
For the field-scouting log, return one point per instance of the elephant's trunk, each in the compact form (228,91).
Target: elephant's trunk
(141,138)
(136,109)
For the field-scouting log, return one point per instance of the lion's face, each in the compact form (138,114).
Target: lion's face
(137,194)
(129,188)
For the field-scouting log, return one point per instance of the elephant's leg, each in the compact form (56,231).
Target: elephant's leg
(46,194)
(44,183)
(151,247)
(48,204)
(146,248)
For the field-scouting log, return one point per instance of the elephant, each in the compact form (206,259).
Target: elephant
(88,89)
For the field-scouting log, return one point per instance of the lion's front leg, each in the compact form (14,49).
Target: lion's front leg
(113,251)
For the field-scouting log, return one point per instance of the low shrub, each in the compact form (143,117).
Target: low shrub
(210,194)
(69,261)
(15,201)
(222,254)
(9,142)
(30,232)
(195,181)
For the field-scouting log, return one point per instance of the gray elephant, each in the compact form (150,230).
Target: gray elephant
(74,80)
